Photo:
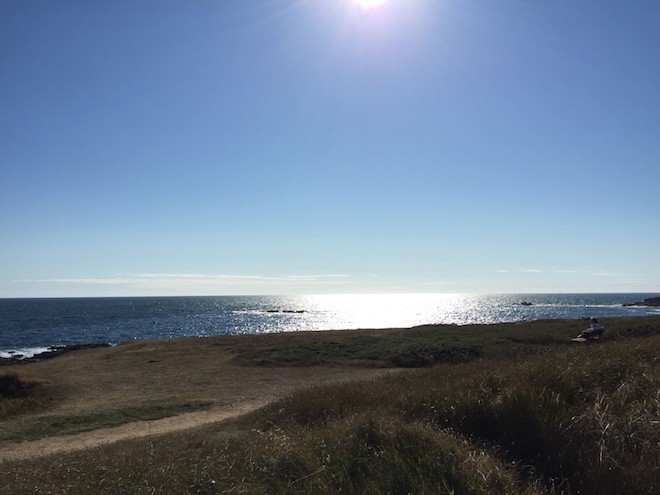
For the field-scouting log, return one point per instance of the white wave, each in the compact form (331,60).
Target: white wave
(22,353)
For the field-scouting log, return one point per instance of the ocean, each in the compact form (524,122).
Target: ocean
(31,326)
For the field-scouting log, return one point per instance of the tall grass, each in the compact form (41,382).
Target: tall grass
(363,454)
(585,420)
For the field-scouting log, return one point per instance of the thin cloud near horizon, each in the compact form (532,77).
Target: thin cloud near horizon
(188,277)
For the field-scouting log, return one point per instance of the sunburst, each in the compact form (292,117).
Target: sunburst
(370,4)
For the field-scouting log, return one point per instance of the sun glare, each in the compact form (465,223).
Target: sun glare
(370,4)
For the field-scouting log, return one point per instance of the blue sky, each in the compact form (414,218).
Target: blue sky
(316,146)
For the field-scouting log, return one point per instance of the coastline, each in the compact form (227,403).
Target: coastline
(30,326)
(40,353)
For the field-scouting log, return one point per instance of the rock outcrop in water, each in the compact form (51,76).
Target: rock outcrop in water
(649,301)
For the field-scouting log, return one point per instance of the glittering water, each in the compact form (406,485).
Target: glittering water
(28,326)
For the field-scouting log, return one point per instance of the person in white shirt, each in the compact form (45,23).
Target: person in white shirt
(594,332)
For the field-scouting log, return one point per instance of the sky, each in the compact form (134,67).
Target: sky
(324,146)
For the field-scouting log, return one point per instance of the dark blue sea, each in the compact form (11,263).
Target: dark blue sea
(30,326)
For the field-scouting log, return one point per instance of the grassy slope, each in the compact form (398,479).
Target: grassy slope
(530,415)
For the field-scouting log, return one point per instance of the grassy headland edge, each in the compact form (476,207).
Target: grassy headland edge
(426,345)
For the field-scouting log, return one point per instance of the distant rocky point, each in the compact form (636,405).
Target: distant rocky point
(649,301)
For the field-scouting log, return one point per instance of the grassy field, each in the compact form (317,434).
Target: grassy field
(477,409)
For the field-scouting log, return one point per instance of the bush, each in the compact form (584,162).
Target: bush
(20,393)
(13,384)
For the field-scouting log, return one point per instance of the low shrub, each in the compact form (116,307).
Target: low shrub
(13,384)
(21,393)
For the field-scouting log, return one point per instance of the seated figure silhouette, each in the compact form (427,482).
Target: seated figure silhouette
(592,334)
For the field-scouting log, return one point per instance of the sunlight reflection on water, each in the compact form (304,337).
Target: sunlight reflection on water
(351,311)
(388,310)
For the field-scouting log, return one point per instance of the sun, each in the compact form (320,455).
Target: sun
(370,4)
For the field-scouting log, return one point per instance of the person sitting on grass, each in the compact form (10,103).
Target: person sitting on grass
(591,334)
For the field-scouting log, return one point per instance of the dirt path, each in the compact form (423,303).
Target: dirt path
(138,429)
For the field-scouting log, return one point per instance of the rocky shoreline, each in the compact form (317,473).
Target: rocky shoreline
(649,301)
(50,353)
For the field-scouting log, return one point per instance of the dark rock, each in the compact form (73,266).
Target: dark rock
(649,301)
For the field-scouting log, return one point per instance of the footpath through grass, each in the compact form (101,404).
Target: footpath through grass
(532,415)
(73,424)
